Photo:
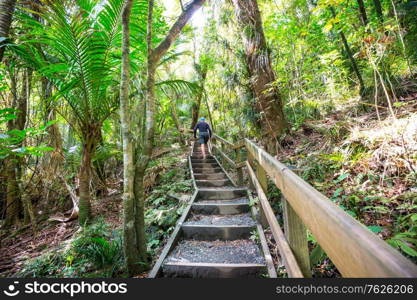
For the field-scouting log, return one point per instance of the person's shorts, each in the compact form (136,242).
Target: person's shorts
(203,137)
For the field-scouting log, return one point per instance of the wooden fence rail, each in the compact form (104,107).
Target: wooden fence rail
(355,250)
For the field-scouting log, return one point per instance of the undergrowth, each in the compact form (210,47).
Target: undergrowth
(97,250)
(164,207)
(368,171)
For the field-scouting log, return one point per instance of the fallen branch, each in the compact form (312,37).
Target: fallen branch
(75,200)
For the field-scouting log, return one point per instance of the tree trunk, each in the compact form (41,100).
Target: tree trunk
(90,140)
(130,249)
(362,13)
(52,161)
(141,245)
(28,207)
(378,10)
(12,198)
(26,202)
(350,55)
(6,15)
(14,163)
(209,115)
(197,104)
(143,157)
(174,116)
(258,61)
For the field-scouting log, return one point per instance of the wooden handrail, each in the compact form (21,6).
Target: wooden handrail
(287,255)
(355,250)
(227,158)
(239,144)
(226,142)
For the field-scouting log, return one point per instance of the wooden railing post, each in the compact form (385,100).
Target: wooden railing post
(239,170)
(296,234)
(263,181)
(287,256)
(251,163)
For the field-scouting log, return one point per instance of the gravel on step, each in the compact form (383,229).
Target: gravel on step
(223,188)
(220,201)
(232,252)
(241,219)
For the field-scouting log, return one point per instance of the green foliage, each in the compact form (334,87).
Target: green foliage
(317,255)
(254,236)
(11,140)
(83,65)
(96,252)
(98,247)
(47,265)
(162,210)
(406,242)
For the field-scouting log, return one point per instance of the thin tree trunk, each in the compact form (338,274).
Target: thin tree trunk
(269,103)
(362,12)
(12,198)
(195,110)
(378,10)
(28,207)
(400,34)
(14,163)
(141,246)
(351,58)
(6,16)
(29,215)
(90,140)
(51,162)
(174,116)
(143,157)
(130,249)
(209,114)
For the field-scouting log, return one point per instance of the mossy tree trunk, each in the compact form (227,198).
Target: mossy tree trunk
(89,144)
(137,260)
(195,109)
(14,163)
(130,242)
(262,77)
(6,15)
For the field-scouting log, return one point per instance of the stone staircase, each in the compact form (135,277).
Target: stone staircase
(215,236)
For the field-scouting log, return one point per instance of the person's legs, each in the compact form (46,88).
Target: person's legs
(203,151)
(203,141)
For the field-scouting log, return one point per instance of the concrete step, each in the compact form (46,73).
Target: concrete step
(226,193)
(212,270)
(218,227)
(200,156)
(207,170)
(213,183)
(214,176)
(221,207)
(216,232)
(214,259)
(200,160)
(206,165)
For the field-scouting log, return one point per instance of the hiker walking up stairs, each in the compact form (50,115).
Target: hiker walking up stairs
(214,236)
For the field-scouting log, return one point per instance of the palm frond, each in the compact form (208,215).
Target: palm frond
(179,87)
(173,57)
